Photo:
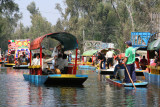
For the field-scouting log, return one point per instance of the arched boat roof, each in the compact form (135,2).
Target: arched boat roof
(66,39)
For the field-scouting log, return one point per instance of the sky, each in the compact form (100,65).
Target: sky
(46,8)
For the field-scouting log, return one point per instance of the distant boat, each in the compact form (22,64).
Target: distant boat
(20,66)
(9,64)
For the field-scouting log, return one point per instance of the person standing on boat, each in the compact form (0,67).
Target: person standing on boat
(101,59)
(129,61)
(109,57)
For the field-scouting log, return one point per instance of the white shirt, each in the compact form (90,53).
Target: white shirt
(35,61)
(44,63)
(109,54)
(55,52)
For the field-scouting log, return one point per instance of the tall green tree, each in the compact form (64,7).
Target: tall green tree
(9,16)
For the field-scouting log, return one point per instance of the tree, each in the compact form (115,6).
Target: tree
(9,16)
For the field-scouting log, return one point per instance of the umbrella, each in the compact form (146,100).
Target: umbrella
(89,52)
(154,45)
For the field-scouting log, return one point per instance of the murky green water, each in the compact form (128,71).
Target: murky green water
(96,92)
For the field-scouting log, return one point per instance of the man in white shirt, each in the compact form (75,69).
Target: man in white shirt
(109,57)
(36,61)
(57,50)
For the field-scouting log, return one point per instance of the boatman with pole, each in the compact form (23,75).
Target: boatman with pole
(129,60)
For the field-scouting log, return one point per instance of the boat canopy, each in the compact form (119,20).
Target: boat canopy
(89,52)
(66,39)
(154,45)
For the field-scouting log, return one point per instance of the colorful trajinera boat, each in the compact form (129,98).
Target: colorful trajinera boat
(35,75)
(117,82)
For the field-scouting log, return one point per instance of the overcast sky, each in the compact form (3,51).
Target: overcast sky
(46,8)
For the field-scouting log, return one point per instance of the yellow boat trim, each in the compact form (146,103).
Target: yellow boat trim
(10,64)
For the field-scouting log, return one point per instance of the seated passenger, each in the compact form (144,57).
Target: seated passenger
(137,65)
(44,63)
(143,63)
(59,61)
(64,64)
(120,69)
(36,59)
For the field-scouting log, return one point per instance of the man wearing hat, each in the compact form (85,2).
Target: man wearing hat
(129,62)
(119,67)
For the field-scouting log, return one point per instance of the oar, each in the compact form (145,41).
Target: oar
(130,78)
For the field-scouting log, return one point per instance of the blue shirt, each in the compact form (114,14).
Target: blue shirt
(118,67)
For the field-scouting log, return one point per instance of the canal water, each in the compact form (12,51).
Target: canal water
(95,92)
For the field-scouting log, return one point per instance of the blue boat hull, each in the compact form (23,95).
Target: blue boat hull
(152,78)
(119,83)
(21,67)
(56,79)
(86,67)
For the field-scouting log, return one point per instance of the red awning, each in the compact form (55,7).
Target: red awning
(35,44)
(66,39)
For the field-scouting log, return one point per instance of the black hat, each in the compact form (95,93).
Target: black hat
(129,43)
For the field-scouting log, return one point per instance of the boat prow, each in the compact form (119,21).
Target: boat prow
(117,82)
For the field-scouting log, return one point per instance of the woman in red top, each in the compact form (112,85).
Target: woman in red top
(137,63)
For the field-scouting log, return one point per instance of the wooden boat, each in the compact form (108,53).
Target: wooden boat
(117,82)
(9,64)
(20,66)
(86,67)
(35,75)
(154,76)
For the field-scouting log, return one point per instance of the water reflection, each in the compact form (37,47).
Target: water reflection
(95,92)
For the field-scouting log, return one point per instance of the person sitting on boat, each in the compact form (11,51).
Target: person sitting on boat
(58,62)
(45,69)
(143,63)
(137,65)
(119,67)
(36,61)
(65,64)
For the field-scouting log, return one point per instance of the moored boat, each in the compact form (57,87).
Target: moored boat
(117,82)
(9,64)
(20,66)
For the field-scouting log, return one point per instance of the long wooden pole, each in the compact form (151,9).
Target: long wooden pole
(130,78)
